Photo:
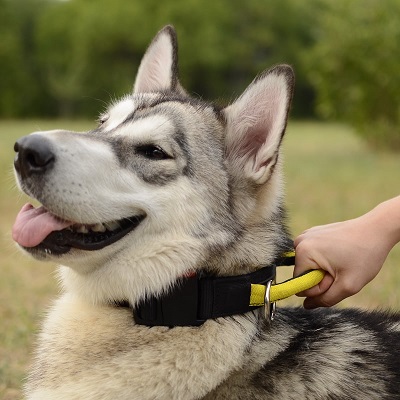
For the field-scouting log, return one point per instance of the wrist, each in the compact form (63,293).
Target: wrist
(385,219)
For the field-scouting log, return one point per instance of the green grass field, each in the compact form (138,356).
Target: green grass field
(330,176)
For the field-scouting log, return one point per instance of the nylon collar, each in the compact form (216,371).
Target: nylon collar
(197,298)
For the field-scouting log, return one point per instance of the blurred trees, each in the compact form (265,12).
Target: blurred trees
(61,58)
(21,81)
(355,67)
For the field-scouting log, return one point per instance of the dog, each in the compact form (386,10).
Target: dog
(161,217)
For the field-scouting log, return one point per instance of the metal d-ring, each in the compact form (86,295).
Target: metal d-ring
(269,308)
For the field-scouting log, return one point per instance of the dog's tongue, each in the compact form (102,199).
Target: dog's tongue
(33,225)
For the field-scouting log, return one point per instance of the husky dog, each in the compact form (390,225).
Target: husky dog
(168,187)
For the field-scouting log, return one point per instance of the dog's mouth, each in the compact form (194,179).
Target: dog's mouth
(37,229)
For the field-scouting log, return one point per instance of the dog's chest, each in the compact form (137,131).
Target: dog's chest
(82,346)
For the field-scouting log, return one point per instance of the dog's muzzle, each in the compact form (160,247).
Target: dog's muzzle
(40,229)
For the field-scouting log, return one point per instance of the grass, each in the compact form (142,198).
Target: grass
(330,176)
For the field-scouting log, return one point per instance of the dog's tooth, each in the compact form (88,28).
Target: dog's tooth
(82,229)
(98,228)
(112,226)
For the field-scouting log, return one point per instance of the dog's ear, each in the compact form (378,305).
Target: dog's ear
(158,70)
(256,122)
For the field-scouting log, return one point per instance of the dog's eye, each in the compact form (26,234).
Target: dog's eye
(152,152)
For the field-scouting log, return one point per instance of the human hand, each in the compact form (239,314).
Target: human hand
(351,252)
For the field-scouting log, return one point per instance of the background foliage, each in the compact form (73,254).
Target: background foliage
(357,77)
(59,57)
(59,52)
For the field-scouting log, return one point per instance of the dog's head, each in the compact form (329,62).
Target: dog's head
(164,184)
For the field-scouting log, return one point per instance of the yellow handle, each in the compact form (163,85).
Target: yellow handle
(286,289)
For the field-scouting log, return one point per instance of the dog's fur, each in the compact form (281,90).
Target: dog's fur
(212,201)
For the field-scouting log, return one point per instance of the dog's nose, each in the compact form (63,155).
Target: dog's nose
(34,155)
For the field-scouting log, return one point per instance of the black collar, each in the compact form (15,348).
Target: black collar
(195,299)
(199,297)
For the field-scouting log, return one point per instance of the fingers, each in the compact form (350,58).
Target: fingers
(319,289)
(335,293)
(310,303)
(309,232)
(327,299)
(307,259)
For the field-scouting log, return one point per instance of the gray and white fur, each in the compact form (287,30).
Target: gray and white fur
(206,184)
